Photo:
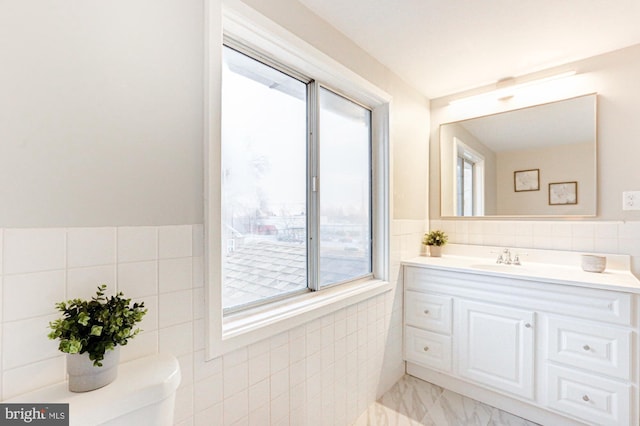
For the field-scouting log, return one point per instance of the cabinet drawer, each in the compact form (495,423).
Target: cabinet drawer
(593,399)
(428,311)
(594,347)
(428,349)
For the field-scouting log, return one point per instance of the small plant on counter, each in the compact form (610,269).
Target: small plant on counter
(97,325)
(435,238)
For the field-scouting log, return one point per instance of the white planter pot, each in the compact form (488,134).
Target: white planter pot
(84,376)
(435,251)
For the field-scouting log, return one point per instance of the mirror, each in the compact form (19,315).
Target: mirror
(535,161)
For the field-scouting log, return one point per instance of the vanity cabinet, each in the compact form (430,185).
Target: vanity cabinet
(553,353)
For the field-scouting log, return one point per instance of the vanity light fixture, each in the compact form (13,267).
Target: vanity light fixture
(506,89)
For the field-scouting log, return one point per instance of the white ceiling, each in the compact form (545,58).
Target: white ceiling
(446,46)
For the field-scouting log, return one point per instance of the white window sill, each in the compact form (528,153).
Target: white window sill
(245,328)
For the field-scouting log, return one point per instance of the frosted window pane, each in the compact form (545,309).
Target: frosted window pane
(264,212)
(345,189)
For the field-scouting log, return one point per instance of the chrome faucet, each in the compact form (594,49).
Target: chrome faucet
(505,258)
(516,260)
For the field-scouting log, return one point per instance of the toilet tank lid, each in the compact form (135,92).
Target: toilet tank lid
(140,382)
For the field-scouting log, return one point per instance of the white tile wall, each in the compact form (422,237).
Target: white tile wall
(175,274)
(82,282)
(91,247)
(32,376)
(137,244)
(584,236)
(325,372)
(175,308)
(138,279)
(31,295)
(175,241)
(145,343)
(24,343)
(33,250)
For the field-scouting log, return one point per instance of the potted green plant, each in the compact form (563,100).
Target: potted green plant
(435,240)
(90,333)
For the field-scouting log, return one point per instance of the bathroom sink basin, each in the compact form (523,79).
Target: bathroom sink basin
(498,267)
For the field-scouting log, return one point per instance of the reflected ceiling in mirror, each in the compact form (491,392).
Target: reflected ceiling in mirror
(535,161)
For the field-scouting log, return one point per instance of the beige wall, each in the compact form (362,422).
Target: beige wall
(563,163)
(101,113)
(614,77)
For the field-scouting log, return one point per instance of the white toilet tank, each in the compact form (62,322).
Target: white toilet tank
(143,394)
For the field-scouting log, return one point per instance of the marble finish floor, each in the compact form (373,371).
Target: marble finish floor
(413,402)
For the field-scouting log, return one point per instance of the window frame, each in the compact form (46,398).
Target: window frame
(249,28)
(462,200)
(314,179)
(477,160)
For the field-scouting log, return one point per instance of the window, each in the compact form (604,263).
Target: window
(302,126)
(469,178)
(296,184)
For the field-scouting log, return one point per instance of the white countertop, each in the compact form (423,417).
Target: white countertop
(552,266)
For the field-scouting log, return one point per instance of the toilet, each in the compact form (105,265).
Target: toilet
(143,394)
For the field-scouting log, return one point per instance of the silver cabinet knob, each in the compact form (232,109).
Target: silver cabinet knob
(527,325)
(586,347)
(426,348)
(585,398)
(426,312)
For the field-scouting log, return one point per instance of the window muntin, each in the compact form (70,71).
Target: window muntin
(283,184)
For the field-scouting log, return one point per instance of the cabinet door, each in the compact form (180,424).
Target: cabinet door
(495,346)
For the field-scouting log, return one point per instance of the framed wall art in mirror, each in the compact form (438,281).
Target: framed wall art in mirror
(495,165)
(561,193)
(526,180)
